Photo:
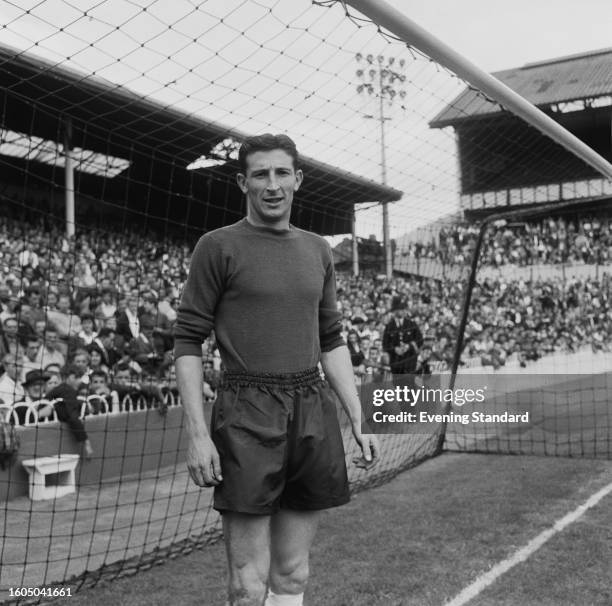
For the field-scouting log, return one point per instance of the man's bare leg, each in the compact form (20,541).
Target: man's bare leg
(291,533)
(247,542)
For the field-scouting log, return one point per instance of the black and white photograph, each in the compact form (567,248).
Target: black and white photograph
(305,303)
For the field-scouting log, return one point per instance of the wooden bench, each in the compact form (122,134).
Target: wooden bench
(51,477)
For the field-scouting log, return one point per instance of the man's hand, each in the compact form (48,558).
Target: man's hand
(203,462)
(370,450)
(88,450)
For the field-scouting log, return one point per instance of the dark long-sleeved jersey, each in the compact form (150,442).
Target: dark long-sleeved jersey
(270,296)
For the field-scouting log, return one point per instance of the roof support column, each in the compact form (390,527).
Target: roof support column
(68,177)
(354,242)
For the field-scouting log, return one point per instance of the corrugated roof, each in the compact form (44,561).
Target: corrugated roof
(572,78)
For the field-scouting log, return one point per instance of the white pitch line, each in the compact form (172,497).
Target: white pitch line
(471,591)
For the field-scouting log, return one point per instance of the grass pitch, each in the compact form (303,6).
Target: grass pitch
(421,538)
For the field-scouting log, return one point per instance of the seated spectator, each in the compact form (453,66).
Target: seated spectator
(49,351)
(150,315)
(141,349)
(105,343)
(423,366)
(211,375)
(99,386)
(80,362)
(10,387)
(96,359)
(34,388)
(55,377)
(87,333)
(30,359)
(106,308)
(126,384)
(357,357)
(375,367)
(128,324)
(10,336)
(165,305)
(68,324)
(68,409)
(8,303)
(31,307)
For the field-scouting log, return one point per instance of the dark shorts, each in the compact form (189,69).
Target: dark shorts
(279,442)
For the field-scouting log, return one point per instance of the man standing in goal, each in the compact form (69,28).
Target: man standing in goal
(274,453)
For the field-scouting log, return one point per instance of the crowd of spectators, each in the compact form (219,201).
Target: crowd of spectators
(585,240)
(514,319)
(104,302)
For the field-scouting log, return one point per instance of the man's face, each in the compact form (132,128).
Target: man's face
(73,381)
(97,382)
(10,328)
(63,304)
(132,303)
(53,381)
(269,184)
(81,362)
(36,390)
(34,299)
(32,350)
(10,366)
(122,377)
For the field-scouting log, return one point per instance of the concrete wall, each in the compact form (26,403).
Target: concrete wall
(124,444)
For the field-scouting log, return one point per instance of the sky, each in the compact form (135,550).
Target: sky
(286,65)
(498,35)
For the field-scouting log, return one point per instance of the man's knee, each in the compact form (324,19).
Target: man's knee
(289,576)
(248,584)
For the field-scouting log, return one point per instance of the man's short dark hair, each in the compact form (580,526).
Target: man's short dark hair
(105,332)
(267,142)
(99,373)
(69,369)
